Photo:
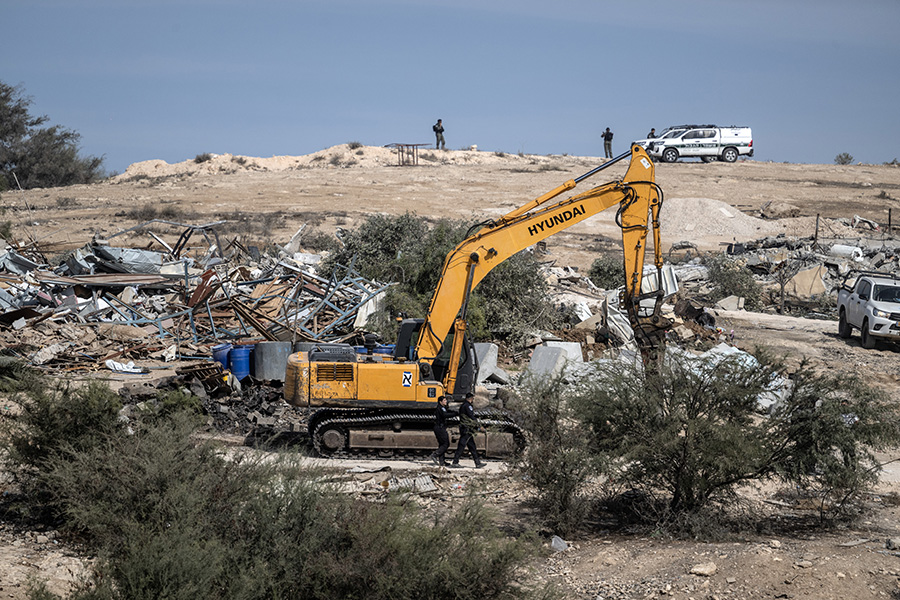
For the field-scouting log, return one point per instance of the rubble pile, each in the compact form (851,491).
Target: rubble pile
(104,303)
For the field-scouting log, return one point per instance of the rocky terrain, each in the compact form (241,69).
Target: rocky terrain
(266,200)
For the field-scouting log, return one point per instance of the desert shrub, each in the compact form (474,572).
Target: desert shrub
(556,461)
(169,517)
(843,159)
(692,429)
(730,277)
(509,302)
(686,429)
(6,230)
(149,212)
(54,418)
(514,300)
(826,432)
(354,145)
(202,158)
(17,377)
(607,272)
(319,241)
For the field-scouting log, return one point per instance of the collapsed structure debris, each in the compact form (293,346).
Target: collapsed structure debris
(103,303)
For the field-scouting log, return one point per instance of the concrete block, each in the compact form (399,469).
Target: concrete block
(500,376)
(592,323)
(486,355)
(731,303)
(547,360)
(573,350)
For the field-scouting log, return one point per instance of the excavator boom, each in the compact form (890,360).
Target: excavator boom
(636,195)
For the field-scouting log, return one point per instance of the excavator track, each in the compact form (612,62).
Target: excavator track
(333,432)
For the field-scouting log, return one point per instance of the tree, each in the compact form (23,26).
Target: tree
(843,158)
(34,156)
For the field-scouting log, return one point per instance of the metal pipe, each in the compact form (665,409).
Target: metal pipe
(605,165)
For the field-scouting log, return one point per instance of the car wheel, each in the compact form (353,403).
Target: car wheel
(709,159)
(670,155)
(730,155)
(844,328)
(868,342)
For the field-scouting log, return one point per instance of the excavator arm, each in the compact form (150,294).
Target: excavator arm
(638,199)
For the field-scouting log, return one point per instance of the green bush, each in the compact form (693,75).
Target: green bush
(692,429)
(56,417)
(608,272)
(509,302)
(731,277)
(169,517)
(556,461)
(843,159)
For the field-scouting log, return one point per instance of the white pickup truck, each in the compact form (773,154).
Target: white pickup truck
(706,142)
(871,305)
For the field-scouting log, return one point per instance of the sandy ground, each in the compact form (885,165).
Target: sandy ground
(268,199)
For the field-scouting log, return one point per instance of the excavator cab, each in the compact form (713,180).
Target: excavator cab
(405,349)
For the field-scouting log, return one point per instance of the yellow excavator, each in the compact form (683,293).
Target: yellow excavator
(385,402)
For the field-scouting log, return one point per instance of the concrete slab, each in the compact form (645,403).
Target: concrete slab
(573,350)
(486,355)
(547,361)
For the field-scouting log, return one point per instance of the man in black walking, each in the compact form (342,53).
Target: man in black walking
(468,425)
(441,414)
(607,143)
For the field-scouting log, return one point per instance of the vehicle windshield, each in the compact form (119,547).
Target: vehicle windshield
(673,133)
(887,293)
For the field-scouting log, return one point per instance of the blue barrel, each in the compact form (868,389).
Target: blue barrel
(239,361)
(220,354)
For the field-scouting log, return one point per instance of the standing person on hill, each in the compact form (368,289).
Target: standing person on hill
(468,425)
(441,414)
(607,143)
(438,129)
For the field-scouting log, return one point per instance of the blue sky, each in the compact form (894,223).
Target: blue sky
(171,79)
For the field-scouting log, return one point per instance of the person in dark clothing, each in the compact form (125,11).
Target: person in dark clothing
(607,143)
(652,133)
(438,129)
(441,414)
(468,425)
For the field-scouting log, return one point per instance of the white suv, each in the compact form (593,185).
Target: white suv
(706,142)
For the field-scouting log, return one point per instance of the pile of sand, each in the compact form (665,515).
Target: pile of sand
(337,157)
(686,218)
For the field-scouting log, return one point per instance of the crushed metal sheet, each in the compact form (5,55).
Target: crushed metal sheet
(421,484)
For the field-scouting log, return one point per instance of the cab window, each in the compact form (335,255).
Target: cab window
(863,289)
